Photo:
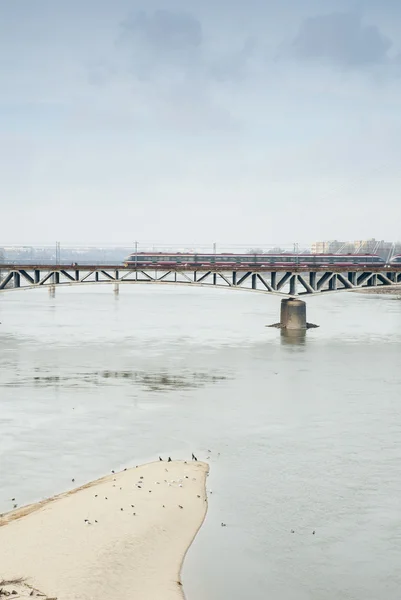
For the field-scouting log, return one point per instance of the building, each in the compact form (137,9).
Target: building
(327,247)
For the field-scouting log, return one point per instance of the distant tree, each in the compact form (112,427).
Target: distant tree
(256,251)
(276,250)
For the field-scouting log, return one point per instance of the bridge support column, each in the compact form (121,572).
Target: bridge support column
(293,314)
(52,291)
(117,289)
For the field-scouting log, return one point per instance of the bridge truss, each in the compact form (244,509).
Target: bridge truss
(294,282)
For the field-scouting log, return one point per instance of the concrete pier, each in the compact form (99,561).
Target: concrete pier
(293,314)
(116,289)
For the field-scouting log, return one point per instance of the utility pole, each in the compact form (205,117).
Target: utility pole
(136,255)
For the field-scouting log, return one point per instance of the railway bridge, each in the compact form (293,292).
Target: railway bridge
(291,284)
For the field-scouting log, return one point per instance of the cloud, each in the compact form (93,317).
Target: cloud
(160,41)
(341,38)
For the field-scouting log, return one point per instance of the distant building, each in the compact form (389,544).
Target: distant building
(327,247)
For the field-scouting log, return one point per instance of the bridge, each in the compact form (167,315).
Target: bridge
(290,284)
(279,281)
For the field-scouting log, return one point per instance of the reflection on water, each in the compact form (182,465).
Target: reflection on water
(148,381)
(303,431)
(293,337)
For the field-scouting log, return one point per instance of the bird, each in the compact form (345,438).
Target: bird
(164,506)
(105,498)
(313,532)
(12,499)
(169,459)
(121,509)
(125,469)
(132,505)
(133,514)
(223,525)
(113,471)
(198,496)
(72,480)
(194,457)
(15,505)
(95,521)
(292,531)
(160,458)
(210,451)
(180,506)
(95,495)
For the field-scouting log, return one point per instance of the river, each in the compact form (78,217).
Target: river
(302,435)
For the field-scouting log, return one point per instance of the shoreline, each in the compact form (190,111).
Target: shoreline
(124,535)
(385,290)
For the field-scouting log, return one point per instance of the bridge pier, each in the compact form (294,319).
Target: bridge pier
(52,291)
(116,289)
(293,316)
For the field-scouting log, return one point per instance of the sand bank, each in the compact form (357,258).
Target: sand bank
(124,536)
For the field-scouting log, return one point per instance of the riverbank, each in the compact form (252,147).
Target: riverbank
(390,290)
(123,536)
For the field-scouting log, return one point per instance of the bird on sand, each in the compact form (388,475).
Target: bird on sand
(223,525)
(194,457)
(169,459)
(313,532)
(292,531)
(160,458)
(180,506)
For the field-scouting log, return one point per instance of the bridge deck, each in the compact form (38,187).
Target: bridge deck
(284,281)
(255,269)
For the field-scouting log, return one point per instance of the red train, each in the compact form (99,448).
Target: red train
(166,260)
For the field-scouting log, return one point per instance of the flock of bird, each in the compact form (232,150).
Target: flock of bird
(139,485)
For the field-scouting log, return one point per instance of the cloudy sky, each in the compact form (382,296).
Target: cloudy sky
(183,121)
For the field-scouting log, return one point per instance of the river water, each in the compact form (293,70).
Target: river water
(303,435)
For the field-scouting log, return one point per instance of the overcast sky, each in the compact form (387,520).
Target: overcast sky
(174,120)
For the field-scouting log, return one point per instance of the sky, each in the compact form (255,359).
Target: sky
(180,121)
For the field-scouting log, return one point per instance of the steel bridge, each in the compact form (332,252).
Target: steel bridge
(280,281)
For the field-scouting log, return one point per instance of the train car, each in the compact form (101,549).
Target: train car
(161,260)
(396,260)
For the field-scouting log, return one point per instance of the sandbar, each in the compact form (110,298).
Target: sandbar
(123,536)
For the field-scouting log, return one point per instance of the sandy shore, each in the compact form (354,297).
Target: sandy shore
(124,536)
(391,290)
